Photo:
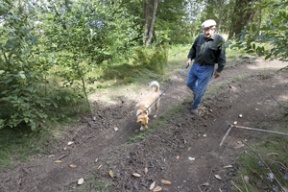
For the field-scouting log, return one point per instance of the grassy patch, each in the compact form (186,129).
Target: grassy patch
(212,91)
(240,77)
(94,183)
(21,144)
(18,145)
(266,166)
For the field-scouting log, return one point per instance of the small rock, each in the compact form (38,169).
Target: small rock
(116,129)
(70,143)
(285,177)
(240,115)
(80,181)
(270,177)
(204,135)
(235,123)
(275,188)
(246,179)
(191,158)
(260,163)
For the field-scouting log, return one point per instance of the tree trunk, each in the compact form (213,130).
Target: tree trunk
(243,14)
(260,18)
(151,29)
(146,7)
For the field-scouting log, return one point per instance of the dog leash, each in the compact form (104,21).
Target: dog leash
(181,73)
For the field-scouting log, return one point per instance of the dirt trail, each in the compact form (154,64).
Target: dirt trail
(247,88)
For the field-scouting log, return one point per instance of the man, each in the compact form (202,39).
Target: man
(207,50)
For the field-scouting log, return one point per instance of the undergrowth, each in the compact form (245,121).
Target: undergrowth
(264,166)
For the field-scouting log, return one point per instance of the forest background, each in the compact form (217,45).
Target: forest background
(54,53)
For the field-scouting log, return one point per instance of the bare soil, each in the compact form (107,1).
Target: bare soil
(180,148)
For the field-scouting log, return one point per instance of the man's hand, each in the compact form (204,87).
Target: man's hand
(216,74)
(189,62)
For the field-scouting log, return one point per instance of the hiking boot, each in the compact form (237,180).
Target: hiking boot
(194,111)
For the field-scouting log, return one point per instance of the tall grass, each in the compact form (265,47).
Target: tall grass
(266,166)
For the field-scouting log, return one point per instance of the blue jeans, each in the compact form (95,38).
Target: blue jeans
(198,80)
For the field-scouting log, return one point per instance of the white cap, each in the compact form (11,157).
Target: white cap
(208,23)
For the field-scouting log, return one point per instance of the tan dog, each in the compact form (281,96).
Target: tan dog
(150,100)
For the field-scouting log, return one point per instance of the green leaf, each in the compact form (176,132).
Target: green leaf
(67,99)
(22,74)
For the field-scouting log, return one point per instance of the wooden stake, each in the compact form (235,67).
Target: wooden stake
(228,131)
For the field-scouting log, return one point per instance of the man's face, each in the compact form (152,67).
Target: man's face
(209,31)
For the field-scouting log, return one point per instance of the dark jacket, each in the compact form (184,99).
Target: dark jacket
(209,51)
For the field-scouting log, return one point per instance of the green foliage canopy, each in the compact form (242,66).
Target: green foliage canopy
(271,38)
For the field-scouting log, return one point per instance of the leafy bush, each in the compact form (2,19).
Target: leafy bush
(270,39)
(26,99)
(153,59)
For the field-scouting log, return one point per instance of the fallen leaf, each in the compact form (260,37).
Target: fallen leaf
(165,182)
(228,166)
(136,175)
(205,184)
(273,154)
(70,143)
(145,170)
(58,161)
(80,181)
(218,177)
(156,189)
(152,185)
(72,166)
(239,145)
(111,173)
